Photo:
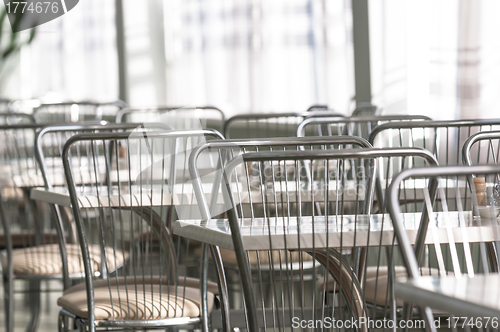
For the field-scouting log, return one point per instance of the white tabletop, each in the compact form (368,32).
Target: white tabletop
(282,193)
(374,230)
(478,296)
(90,199)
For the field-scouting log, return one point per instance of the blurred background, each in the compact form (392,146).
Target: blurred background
(435,58)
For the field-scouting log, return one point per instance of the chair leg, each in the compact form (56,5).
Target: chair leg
(8,286)
(34,296)
(66,323)
(61,322)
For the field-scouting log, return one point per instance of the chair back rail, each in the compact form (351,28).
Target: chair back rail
(76,111)
(264,125)
(445,139)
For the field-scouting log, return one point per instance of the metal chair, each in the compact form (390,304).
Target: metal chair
(76,111)
(127,208)
(305,226)
(223,151)
(354,126)
(443,138)
(318,107)
(459,243)
(264,125)
(365,110)
(50,140)
(22,224)
(181,118)
(484,146)
(228,149)
(49,143)
(34,238)
(5,104)
(8,118)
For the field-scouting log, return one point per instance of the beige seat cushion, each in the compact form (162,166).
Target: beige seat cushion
(46,259)
(378,283)
(118,300)
(229,257)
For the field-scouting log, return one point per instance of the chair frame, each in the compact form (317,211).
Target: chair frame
(431,124)
(274,142)
(478,137)
(91,322)
(242,260)
(39,131)
(40,157)
(8,278)
(29,117)
(125,111)
(118,103)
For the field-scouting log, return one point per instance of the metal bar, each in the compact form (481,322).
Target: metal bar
(361,45)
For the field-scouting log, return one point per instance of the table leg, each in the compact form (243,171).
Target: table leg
(344,275)
(221,281)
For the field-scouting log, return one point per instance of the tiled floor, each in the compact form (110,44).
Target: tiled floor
(48,314)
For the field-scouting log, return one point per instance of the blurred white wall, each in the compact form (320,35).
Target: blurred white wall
(73,57)
(252,55)
(437,58)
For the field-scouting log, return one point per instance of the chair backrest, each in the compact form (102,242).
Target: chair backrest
(76,111)
(17,153)
(365,110)
(444,139)
(186,118)
(223,151)
(23,224)
(124,209)
(295,222)
(31,157)
(314,108)
(459,241)
(467,222)
(49,143)
(264,125)
(356,126)
(4,104)
(484,146)
(9,118)
(50,140)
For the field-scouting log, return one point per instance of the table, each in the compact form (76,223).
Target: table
(283,192)
(326,236)
(464,297)
(256,235)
